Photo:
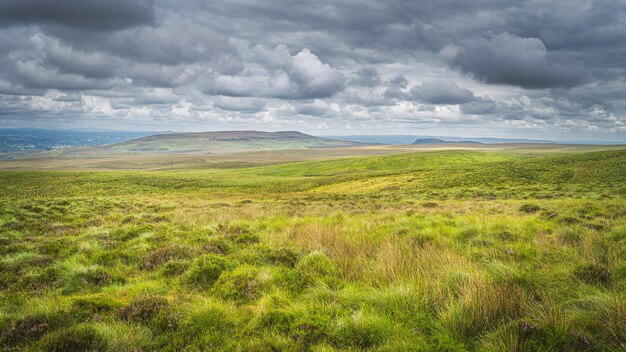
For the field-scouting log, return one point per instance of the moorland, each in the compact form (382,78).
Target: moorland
(503,247)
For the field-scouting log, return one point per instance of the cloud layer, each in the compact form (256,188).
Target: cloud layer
(551,69)
(85,14)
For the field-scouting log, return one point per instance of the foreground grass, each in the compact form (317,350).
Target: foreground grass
(443,251)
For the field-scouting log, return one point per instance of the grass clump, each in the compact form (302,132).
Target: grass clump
(174,268)
(205,270)
(286,256)
(81,337)
(92,277)
(165,254)
(30,328)
(593,273)
(154,311)
(529,208)
(315,268)
(210,323)
(89,307)
(362,331)
(311,328)
(242,283)
(481,306)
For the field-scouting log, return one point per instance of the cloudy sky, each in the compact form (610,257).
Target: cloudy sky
(500,68)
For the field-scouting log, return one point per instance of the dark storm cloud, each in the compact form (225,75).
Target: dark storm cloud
(367,77)
(524,62)
(399,81)
(83,14)
(248,105)
(156,97)
(177,42)
(582,26)
(479,107)
(493,32)
(368,99)
(397,88)
(441,92)
(87,64)
(316,108)
(31,74)
(393,25)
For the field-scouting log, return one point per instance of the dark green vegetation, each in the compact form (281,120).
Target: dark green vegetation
(458,250)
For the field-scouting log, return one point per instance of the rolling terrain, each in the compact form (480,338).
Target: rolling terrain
(515,247)
(229,141)
(203,142)
(225,150)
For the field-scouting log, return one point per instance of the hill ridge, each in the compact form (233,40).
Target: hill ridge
(441,141)
(228,141)
(228,135)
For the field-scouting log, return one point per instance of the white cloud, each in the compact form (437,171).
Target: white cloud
(301,76)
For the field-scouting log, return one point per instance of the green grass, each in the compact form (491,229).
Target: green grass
(427,251)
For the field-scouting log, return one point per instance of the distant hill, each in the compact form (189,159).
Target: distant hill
(428,141)
(227,141)
(409,139)
(441,141)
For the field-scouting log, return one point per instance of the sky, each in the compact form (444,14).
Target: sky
(483,68)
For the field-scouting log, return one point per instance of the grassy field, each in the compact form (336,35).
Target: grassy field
(516,248)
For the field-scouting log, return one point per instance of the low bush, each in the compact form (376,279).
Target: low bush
(30,328)
(154,311)
(88,307)
(143,309)
(529,208)
(164,254)
(216,245)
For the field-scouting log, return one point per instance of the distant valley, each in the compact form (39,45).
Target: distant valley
(32,139)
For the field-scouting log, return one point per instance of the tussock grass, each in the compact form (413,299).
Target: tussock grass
(429,251)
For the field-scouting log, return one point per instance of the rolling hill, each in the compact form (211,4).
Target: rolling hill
(205,143)
(228,141)
(420,141)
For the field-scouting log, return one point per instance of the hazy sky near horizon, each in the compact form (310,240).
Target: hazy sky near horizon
(500,68)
